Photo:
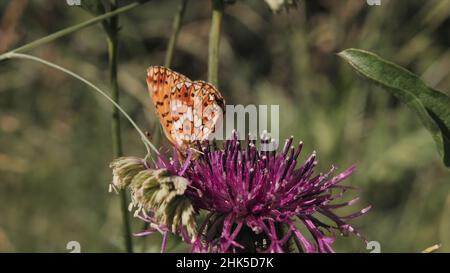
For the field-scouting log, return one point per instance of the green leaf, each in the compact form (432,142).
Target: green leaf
(432,106)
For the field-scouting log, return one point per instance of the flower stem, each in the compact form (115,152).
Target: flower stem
(214,42)
(177,20)
(71,29)
(113,52)
(149,146)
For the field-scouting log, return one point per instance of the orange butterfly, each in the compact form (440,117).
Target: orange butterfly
(188,111)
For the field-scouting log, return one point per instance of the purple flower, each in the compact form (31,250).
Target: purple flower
(262,201)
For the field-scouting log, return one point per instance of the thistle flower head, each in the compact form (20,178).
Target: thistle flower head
(264,196)
(254,200)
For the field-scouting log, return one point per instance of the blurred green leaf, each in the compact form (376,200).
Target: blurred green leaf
(432,107)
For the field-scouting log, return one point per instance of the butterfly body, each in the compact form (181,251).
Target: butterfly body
(188,111)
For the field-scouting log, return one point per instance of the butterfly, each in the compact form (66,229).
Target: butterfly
(189,111)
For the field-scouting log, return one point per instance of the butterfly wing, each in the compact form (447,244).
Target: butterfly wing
(160,81)
(188,111)
(196,108)
(209,110)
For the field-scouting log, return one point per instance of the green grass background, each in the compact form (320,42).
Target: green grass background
(55,141)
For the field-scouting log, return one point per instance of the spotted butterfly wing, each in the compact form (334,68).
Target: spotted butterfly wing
(188,110)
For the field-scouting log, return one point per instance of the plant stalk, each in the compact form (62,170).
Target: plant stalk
(113,52)
(149,146)
(214,42)
(176,26)
(71,29)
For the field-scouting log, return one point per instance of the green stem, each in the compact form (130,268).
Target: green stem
(177,20)
(71,29)
(113,53)
(144,138)
(214,42)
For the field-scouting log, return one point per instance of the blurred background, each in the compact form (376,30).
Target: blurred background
(55,134)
